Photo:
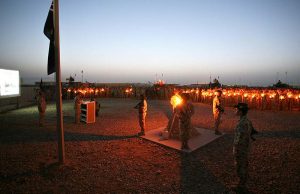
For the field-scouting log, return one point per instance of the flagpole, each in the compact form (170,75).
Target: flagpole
(60,129)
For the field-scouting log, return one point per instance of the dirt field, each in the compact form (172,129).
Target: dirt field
(107,156)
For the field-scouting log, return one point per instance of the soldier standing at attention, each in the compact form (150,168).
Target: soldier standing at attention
(185,112)
(142,108)
(97,106)
(77,107)
(241,145)
(41,102)
(217,111)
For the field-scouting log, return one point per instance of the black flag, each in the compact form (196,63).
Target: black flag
(49,32)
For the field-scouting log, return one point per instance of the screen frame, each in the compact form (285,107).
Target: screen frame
(19,80)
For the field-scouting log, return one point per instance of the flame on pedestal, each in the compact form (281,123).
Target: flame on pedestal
(176,100)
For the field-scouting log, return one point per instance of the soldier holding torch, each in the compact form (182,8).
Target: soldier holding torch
(185,111)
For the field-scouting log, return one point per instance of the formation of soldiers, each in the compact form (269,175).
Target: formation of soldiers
(242,136)
(256,98)
(185,111)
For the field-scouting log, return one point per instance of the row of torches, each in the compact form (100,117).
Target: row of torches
(263,99)
(94,90)
(278,99)
(251,93)
(246,93)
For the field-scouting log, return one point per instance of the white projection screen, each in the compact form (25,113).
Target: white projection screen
(9,83)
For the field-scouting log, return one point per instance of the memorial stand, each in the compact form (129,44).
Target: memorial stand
(87,114)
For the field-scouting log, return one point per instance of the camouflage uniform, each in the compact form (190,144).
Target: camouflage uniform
(217,113)
(241,147)
(97,108)
(185,112)
(142,108)
(77,107)
(41,102)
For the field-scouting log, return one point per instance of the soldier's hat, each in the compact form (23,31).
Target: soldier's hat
(241,106)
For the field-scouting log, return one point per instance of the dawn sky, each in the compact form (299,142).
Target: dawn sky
(243,42)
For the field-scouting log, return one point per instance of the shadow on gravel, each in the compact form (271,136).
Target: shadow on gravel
(49,171)
(17,177)
(37,135)
(196,178)
(295,134)
(90,137)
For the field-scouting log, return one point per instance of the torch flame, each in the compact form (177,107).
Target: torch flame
(290,95)
(176,100)
(281,97)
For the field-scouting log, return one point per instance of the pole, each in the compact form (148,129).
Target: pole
(60,129)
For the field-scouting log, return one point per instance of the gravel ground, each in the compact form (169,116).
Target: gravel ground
(108,157)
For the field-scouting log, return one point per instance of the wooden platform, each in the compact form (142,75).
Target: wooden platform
(206,136)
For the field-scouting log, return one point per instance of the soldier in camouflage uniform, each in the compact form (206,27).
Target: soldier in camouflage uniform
(185,111)
(41,102)
(97,106)
(241,145)
(77,106)
(142,108)
(217,111)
